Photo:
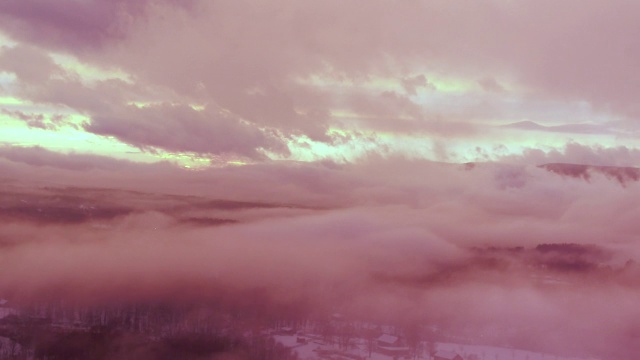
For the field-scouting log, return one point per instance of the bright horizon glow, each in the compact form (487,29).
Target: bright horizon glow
(394,107)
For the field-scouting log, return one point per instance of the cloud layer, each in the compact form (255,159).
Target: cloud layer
(271,73)
(513,253)
(536,249)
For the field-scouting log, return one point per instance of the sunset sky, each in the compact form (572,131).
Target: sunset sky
(232,82)
(380,158)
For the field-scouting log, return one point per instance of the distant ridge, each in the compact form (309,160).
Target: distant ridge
(579,128)
(619,173)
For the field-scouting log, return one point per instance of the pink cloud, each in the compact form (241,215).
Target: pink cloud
(460,248)
(183,129)
(248,59)
(398,238)
(71,24)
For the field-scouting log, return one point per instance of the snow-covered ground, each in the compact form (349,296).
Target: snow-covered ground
(498,353)
(309,351)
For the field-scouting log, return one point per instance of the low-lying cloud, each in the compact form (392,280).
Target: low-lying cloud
(535,262)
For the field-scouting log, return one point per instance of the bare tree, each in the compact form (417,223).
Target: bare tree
(412,336)
(370,336)
(346,335)
(13,348)
(430,346)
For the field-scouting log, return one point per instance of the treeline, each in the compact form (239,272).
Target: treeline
(51,331)
(118,345)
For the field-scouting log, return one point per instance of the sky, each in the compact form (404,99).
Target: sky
(205,83)
(377,159)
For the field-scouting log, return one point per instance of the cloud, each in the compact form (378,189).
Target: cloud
(411,84)
(28,63)
(83,25)
(182,129)
(40,121)
(508,252)
(39,157)
(288,66)
(490,85)
(504,250)
(166,126)
(575,153)
(385,237)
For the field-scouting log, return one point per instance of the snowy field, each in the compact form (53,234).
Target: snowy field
(309,351)
(497,353)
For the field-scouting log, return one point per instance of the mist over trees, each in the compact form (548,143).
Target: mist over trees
(486,256)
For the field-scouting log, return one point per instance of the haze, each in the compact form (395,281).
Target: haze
(465,169)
